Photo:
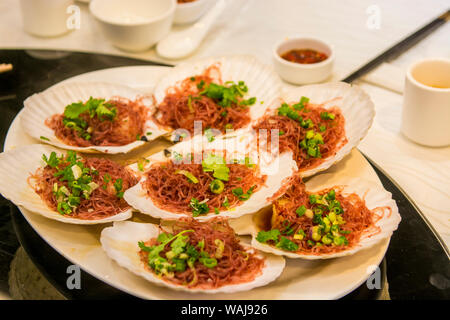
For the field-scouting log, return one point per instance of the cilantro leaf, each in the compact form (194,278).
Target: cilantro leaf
(271,235)
(217,165)
(162,237)
(287,244)
(73,111)
(143,247)
(238,192)
(198,208)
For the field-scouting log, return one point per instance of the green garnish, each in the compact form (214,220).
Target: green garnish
(271,235)
(227,94)
(287,244)
(161,265)
(225,203)
(95,107)
(287,228)
(162,237)
(52,161)
(44,138)
(118,186)
(141,163)
(191,109)
(327,116)
(239,193)
(311,144)
(188,175)
(106,180)
(78,181)
(301,104)
(217,186)
(217,165)
(300,211)
(201,84)
(287,111)
(248,162)
(228,126)
(198,208)
(208,262)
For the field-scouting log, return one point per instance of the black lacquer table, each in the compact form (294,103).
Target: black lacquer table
(416,265)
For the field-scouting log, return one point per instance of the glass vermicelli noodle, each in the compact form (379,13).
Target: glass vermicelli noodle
(126,127)
(291,134)
(234,264)
(184,104)
(352,221)
(103,202)
(173,192)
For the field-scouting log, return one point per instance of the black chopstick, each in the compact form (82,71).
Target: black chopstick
(400,47)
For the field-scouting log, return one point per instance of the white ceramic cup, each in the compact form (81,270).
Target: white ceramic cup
(45,18)
(426,103)
(134,25)
(298,73)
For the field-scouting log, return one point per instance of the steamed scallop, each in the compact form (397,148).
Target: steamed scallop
(221,93)
(384,215)
(269,173)
(321,123)
(124,240)
(17,168)
(41,107)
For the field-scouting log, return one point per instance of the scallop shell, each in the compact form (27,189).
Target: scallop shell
(355,104)
(41,106)
(120,243)
(15,168)
(374,195)
(277,170)
(262,81)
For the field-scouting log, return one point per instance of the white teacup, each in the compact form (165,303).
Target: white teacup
(426,103)
(45,18)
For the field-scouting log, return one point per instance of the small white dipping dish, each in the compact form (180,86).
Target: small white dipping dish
(189,12)
(298,73)
(134,25)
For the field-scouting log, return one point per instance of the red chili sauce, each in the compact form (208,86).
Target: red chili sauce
(304,56)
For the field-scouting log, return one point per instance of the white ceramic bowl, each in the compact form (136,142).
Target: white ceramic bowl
(298,73)
(190,12)
(134,25)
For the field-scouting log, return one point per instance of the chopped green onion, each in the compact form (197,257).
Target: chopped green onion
(217,186)
(188,175)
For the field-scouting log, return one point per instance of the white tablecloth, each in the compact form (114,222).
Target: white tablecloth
(254,26)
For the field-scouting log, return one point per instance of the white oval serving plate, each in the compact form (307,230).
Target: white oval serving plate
(329,279)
